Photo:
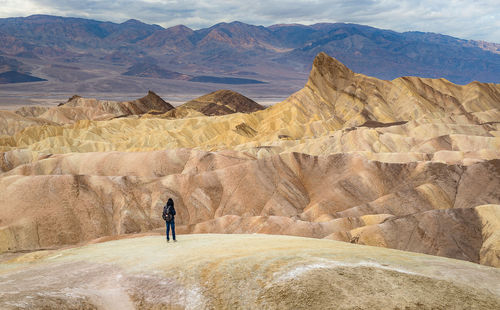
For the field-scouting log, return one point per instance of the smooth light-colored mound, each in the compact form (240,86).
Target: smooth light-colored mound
(242,272)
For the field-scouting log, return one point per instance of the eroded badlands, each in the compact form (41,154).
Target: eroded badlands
(411,164)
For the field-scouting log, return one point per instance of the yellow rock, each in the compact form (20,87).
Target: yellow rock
(490,219)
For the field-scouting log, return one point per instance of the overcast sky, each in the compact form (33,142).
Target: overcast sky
(467,19)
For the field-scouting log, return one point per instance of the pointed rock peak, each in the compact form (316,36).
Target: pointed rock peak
(329,70)
(329,65)
(74,97)
(154,101)
(153,96)
(324,59)
(71,99)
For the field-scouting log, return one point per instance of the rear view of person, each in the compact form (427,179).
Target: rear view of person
(168,216)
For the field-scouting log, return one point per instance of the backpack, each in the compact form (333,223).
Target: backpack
(167,216)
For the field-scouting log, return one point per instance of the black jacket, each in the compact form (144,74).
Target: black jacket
(171,211)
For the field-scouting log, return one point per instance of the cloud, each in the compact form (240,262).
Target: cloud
(469,19)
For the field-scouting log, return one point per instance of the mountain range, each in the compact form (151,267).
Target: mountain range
(82,55)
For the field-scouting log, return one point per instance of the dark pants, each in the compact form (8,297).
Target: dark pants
(170,224)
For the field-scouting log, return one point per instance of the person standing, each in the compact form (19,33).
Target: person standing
(168,216)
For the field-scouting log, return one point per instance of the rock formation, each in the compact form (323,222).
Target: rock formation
(411,164)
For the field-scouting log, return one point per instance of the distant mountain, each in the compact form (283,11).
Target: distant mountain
(237,35)
(388,54)
(280,54)
(173,39)
(63,32)
(17,77)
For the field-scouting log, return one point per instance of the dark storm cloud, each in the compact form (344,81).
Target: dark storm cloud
(471,19)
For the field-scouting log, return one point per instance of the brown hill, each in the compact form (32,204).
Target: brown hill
(150,102)
(223,102)
(432,120)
